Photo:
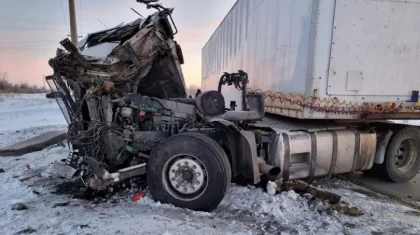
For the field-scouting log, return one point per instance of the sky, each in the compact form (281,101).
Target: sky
(30,30)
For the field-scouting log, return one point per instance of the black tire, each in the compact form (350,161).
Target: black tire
(213,159)
(396,168)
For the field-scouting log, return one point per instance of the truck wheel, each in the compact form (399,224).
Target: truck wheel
(189,170)
(402,160)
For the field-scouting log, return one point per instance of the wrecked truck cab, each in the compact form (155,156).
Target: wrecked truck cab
(123,94)
(142,51)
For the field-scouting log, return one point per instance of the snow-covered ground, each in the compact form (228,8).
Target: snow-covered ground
(24,116)
(245,210)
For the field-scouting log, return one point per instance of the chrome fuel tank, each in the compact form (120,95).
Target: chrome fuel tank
(302,154)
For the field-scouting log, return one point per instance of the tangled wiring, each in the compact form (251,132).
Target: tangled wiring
(92,138)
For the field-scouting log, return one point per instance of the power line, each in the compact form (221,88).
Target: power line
(102,23)
(43,22)
(35,46)
(29,46)
(26,41)
(5,43)
(25,49)
(29,28)
(64,16)
(33,21)
(81,17)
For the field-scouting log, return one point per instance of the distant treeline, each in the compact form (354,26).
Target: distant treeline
(7,87)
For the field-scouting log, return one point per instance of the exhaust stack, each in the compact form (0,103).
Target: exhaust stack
(271,171)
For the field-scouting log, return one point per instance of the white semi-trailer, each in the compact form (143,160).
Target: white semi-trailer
(332,72)
(321,59)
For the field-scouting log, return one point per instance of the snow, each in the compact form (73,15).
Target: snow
(245,210)
(24,116)
(271,187)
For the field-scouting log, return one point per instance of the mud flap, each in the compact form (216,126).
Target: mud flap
(243,150)
(248,160)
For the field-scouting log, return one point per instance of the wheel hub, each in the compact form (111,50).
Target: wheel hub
(186,176)
(405,155)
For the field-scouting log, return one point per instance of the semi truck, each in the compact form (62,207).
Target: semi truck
(291,89)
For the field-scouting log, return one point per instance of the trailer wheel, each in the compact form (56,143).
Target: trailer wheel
(189,170)
(402,160)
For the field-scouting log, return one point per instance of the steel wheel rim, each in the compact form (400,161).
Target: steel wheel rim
(406,155)
(185,177)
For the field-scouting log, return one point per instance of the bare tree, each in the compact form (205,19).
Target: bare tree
(8,87)
(3,75)
(4,84)
(192,90)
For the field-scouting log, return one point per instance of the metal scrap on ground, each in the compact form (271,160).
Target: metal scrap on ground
(34,144)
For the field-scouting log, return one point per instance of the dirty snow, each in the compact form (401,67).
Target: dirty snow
(245,210)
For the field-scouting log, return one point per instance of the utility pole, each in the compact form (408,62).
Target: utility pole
(73,25)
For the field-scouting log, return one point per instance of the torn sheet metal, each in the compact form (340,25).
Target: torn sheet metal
(139,57)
